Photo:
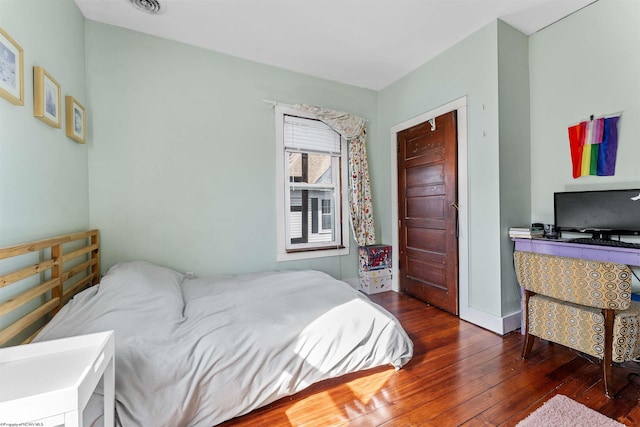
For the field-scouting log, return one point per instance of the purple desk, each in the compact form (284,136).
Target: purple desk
(561,247)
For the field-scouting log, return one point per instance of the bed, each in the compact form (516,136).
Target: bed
(199,351)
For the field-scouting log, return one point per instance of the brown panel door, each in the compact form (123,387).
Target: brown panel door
(428,212)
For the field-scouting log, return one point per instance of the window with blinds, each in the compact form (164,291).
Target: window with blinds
(312,217)
(313,152)
(309,135)
(311,194)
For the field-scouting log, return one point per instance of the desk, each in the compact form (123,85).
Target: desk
(560,247)
(49,383)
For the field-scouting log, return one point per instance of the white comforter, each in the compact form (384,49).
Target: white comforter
(196,352)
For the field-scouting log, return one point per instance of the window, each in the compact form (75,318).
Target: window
(327,217)
(310,175)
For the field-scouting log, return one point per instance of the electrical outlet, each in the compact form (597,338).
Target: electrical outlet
(189,274)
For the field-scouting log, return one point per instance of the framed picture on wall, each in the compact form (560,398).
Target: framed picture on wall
(46,97)
(75,120)
(11,70)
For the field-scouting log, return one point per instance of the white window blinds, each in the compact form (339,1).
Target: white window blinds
(309,135)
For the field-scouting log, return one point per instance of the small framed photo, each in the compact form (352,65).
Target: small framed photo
(75,120)
(11,70)
(46,97)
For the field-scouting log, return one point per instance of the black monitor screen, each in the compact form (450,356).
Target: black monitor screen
(610,212)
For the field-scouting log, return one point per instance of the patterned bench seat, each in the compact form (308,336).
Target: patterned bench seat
(585,305)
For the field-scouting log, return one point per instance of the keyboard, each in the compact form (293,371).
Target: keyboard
(602,242)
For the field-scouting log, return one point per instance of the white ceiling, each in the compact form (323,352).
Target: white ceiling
(365,43)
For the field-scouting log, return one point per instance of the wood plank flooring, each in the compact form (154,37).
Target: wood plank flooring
(460,375)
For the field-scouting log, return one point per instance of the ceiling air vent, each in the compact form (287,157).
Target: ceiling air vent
(153,7)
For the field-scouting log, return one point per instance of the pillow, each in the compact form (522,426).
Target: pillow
(137,300)
(144,285)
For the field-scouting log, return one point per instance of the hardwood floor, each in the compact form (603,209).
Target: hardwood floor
(460,375)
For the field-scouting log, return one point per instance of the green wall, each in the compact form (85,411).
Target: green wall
(515,159)
(183,150)
(589,63)
(522,93)
(43,173)
(470,68)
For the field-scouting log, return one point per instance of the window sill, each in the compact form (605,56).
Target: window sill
(293,256)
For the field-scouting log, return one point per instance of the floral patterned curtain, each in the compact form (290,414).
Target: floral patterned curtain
(360,205)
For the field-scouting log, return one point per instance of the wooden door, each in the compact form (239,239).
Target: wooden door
(428,212)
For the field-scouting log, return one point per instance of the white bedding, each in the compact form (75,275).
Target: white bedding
(197,352)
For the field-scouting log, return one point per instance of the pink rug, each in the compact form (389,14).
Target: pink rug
(561,411)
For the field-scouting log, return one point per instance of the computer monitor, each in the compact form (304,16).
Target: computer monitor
(599,213)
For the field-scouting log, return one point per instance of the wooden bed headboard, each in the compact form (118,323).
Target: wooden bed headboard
(37,291)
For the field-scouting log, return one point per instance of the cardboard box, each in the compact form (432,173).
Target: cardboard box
(376,273)
(373,285)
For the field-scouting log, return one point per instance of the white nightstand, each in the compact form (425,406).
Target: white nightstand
(51,381)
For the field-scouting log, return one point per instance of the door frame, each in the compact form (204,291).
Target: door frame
(460,106)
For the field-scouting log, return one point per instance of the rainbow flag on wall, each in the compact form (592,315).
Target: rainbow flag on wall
(594,144)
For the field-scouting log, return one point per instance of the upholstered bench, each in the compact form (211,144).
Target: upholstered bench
(585,305)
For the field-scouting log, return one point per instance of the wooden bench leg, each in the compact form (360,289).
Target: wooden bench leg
(528,338)
(609,317)
(528,344)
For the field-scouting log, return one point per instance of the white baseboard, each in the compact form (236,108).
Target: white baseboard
(497,324)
